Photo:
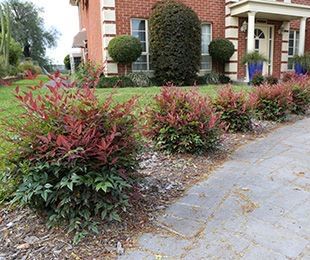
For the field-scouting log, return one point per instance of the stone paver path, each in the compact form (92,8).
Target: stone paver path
(256,206)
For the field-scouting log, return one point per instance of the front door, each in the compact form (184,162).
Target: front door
(263,44)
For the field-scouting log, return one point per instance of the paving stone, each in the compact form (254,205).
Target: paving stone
(277,239)
(164,245)
(184,227)
(259,252)
(256,206)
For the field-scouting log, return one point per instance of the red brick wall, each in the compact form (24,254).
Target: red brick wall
(211,11)
(90,19)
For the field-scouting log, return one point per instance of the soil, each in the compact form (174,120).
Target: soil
(24,235)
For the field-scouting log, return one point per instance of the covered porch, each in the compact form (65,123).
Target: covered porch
(260,33)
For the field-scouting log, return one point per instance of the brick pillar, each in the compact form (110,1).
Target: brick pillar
(108,28)
(231,33)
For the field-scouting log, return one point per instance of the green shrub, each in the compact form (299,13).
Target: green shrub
(29,66)
(183,122)
(73,156)
(272,102)
(235,108)
(258,79)
(140,79)
(125,49)
(221,50)
(115,82)
(175,42)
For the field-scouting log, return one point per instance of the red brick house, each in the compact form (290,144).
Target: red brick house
(277,29)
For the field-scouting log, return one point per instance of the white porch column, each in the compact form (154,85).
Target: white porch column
(302,36)
(251,29)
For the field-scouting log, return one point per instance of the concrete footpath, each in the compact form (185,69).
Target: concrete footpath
(256,206)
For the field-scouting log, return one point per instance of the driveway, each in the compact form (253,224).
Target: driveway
(256,206)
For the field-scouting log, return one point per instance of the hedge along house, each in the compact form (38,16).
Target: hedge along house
(277,29)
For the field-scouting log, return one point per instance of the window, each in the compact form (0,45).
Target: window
(293,45)
(139,29)
(258,35)
(206,37)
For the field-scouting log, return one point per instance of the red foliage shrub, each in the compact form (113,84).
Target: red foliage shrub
(30,75)
(183,122)
(73,154)
(272,102)
(300,89)
(236,109)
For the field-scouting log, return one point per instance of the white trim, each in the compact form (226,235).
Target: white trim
(147,44)
(272,10)
(202,71)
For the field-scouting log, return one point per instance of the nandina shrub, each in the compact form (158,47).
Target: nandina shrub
(272,102)
(235,108)
(300,89)
(183,122)
(74,156)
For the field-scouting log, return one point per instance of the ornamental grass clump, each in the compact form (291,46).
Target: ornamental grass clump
(235,108)
(272,102)
(183,122)
(74,156)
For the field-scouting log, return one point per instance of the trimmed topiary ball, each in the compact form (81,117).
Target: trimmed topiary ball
(221,50)
(125,49)
(175,42)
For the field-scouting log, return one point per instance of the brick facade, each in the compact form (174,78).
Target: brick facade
(104,19)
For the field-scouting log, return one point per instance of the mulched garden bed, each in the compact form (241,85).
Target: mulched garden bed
(24,235)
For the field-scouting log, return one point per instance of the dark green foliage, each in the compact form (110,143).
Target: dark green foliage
(221,50)
(175,42)
(183,122)
(67,62)
(253,57)
(29,30)
(115,82)
(125,49)
(235,108)
(258,79)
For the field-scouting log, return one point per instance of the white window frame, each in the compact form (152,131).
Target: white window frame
(295,46)
(204,54)
(147,52)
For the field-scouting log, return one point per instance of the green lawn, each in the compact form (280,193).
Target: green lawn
(8,104)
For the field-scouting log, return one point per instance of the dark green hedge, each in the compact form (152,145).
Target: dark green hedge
(175,42)
(221,50)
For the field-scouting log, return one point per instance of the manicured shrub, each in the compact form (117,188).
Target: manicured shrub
(175,42)
(74,156)
(258,79)
(235,108)
(125,49)
(272,102)
(115,82)
(183,122)
(300,89)
(221,50)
